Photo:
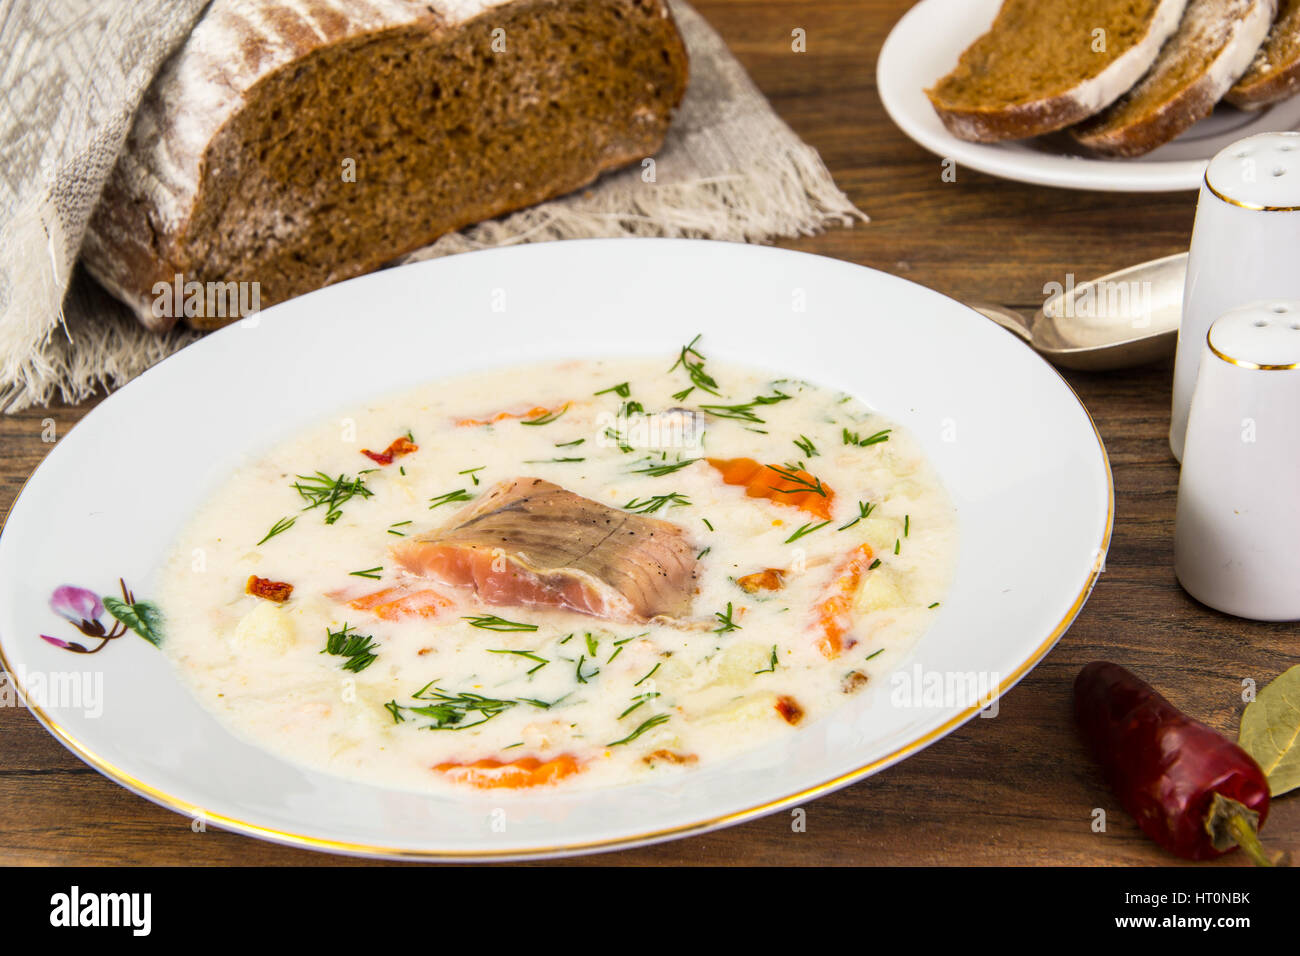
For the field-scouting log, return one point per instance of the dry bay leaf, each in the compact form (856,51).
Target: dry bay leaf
(1270,731)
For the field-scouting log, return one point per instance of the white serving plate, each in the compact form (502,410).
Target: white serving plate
(925,45)
(1017,451)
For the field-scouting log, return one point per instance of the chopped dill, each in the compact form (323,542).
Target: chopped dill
(648,506)
(582,678)
(771,667)
(791,474)
(658,471)
(650,722)
(618,440)
(284,524)
(648,675)
(622,390)
(725,623)
(320,490)
(545,419)
(448,711)
(745,412)
(640,699)
(852,438)
(368,573)
(618,647)
(357,648)
(805,529)
(864,511)
(460,494)
(472,473)
(805,445)
(527,655)
(490,622)
(693,362)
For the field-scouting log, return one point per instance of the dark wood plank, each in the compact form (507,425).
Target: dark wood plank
(1013,789)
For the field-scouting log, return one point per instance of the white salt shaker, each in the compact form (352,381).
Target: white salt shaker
(1237,533)
(1245,247)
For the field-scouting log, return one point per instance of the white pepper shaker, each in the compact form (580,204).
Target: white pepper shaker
(1237,532)
(1245,247)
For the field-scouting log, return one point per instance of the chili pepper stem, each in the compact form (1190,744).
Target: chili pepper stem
(1244,835)
(1229,824)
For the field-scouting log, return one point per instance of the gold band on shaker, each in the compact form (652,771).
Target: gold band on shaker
(1245,205)
(1242,363)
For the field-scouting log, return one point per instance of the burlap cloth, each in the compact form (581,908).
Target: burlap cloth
(73,71)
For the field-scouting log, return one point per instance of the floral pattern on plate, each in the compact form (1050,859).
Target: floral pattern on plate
(83,609)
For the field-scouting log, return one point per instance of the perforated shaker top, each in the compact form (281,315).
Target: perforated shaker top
(1260,172)
(1262,335)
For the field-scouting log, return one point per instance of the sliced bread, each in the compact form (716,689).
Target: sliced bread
(1213,47)
(1274,75)
(294,143)
(1047,64)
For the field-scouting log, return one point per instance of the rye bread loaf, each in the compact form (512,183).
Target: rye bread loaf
(1274,74)
(1043,65)
(295,143)
(1213,47)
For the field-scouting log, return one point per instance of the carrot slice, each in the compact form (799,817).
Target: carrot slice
(395,603)
(524,772)
(833,611)
(784,486)
(769,579)
(536,412)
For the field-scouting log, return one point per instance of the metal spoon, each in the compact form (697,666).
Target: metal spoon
(1119,320)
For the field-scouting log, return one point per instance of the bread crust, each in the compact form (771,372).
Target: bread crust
(172,205)
(1051,113)
(1279,85)
(1173,116)
(1257,88)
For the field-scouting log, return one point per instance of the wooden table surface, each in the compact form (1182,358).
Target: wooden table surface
(1014,789)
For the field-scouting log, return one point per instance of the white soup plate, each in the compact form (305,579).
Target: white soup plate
(1018,454)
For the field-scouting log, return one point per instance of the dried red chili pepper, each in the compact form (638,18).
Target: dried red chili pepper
(277,591)
(1191,790)
(398,448)
(789,708)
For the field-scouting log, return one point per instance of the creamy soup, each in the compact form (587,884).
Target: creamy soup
(574,574)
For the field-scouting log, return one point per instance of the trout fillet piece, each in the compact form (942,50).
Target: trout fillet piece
(529,542)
